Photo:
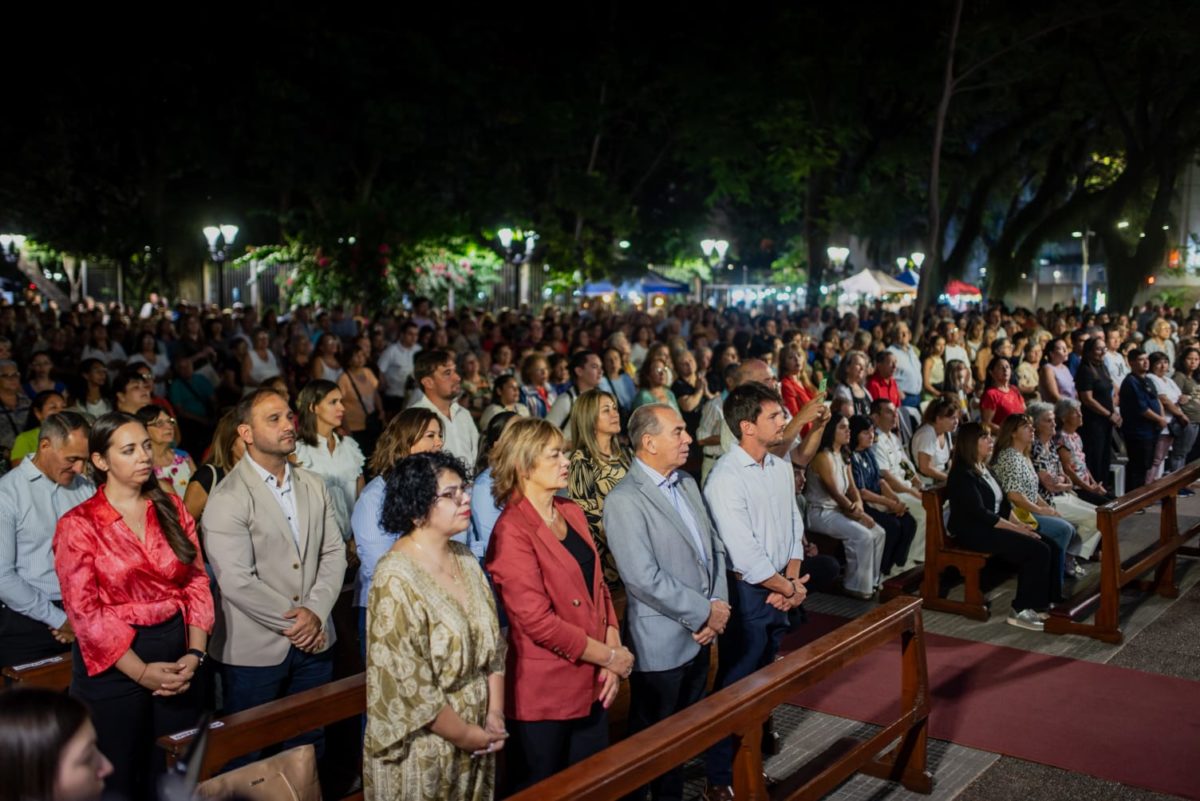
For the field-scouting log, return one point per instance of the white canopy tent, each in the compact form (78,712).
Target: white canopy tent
(874,283)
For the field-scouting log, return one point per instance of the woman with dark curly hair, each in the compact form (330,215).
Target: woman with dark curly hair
(435,659)
(48,748)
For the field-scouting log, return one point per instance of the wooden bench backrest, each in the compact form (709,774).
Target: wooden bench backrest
(52,673)
(274,722)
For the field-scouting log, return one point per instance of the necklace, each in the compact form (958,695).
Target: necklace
(553,514)
(454,575)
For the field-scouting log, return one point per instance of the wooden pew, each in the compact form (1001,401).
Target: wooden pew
(740,710)
(52,673)
(265,725)
(1115,572)
(941,554)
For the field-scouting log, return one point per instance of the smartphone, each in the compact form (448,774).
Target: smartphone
(824,383)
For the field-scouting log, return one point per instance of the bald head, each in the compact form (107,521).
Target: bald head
(754,370)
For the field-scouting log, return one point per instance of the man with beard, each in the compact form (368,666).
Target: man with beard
(440,386)
(751,494)
(274,546)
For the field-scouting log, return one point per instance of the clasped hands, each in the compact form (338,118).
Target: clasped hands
(306,633)
(785,603)
(488,738)
(718,618)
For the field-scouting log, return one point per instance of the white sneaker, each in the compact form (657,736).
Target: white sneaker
(1026,619)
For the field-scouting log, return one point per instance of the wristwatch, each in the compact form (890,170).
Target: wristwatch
(196,652)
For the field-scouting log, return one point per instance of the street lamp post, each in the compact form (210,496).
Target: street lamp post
(720,247)
(1083,237)
(220,240)
(519,258)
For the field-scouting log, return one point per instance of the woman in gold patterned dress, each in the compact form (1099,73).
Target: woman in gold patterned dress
(598,462)
(435,658)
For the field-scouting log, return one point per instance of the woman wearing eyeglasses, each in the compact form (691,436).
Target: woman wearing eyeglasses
(172,467)
(565,660)
(435,658)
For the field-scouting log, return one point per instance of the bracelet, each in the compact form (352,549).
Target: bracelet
(612,654)
(793,595)
(142,675)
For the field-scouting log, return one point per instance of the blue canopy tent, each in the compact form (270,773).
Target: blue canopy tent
(648,284)
(910,277)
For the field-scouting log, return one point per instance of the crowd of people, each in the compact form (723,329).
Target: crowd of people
(186,492)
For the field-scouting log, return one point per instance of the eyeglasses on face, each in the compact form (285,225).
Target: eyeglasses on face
(10,375)
(164,421)
(456,494)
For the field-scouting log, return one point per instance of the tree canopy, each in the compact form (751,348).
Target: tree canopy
(777,128)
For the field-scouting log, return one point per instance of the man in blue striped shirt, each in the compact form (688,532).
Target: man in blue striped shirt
(33,496)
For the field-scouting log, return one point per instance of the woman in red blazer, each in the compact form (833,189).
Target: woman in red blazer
(565,658)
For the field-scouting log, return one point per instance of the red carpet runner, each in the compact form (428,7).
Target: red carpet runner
(1139,729)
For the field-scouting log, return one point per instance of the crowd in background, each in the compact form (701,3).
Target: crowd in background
(188,487)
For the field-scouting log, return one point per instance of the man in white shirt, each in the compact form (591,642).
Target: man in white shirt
(440,387)
(908,365)
(33,496)
(396,365)
(586,372)
(898,471)
(751,493)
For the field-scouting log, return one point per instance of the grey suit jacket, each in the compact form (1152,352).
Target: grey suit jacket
(260,571)
(668,585)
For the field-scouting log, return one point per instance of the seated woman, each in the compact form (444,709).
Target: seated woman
(652,379)
(435,658)
(836,509)
(1001,398)
(981,519)
(506,397)
(412,431)
(879,500)
(566,659)
(48,748)
(851,382)
(795,385)
(933,368)
(1069,446)
(172,467)
(598,462)
(1018,478)
(1027,371)
(44,404)
(1053,484)
(931,446)
(960,387)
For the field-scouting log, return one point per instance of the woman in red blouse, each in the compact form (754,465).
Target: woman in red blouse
(136,594)
(1001,399)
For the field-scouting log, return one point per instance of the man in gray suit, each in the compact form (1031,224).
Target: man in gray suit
(673,566)
(273,542)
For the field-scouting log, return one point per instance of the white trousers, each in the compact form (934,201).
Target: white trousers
(1082,515)
(864,546)
(917,509)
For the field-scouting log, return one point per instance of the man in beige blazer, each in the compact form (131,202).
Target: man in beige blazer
(279,560)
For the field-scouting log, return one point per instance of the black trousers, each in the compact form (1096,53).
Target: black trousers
(1096,434)
(129,719)
(899,531)
(655,696)
(537,749)
(1141,456)
(24,640)
(1037,565)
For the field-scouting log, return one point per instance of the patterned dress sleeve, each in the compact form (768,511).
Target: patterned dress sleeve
(403,696)
(583,487)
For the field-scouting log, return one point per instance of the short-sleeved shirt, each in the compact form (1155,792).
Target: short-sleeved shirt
(926,440)
(1005,403)
(1137,396)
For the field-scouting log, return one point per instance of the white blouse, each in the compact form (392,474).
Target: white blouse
(340,469)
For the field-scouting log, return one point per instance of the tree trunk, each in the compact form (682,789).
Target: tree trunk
(932,269)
